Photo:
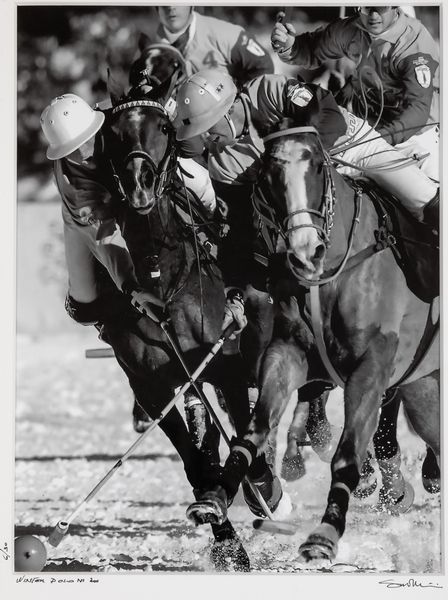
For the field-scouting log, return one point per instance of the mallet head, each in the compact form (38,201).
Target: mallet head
(58,533)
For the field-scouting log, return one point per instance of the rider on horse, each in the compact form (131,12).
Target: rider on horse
(399,51)
(85,183)
(233,125)
(187,42)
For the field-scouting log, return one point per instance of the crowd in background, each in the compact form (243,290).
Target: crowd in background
(69,49)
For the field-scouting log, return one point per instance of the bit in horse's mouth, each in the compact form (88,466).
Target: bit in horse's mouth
(306,272)
(144,210)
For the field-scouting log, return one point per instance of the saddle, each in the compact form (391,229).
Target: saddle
(415,245)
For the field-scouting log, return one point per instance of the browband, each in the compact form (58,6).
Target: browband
(135,103)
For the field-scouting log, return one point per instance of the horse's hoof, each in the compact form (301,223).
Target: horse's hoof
(270,489)
(230,555)
(293,467)
(431,485)
(318,547)
(431,473)
(211,508)
(325,445)
(367,482)
(397,506)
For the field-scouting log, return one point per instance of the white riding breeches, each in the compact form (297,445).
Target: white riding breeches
(408,183)
(200,183)
(82,248)
(421,144)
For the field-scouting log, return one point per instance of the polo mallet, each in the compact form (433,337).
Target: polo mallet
(272,524)
(61,528)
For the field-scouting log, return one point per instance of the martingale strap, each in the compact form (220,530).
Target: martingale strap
(316,321)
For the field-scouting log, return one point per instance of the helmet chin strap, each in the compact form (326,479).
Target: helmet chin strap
(231,125)
(245,129)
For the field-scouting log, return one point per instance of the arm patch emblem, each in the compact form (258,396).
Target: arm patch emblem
(423,75)
(299,95)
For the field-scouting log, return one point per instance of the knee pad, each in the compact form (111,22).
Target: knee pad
(85,313)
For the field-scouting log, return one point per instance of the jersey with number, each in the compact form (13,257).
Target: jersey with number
(213,43)
(404,58)
(268,100)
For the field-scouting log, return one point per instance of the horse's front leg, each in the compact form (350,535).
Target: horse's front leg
(362,401)
(293,463)
(283,370)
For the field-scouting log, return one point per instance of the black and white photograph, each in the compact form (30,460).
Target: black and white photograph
(222,341)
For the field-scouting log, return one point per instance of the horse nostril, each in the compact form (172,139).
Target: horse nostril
(296,262)
(319,252)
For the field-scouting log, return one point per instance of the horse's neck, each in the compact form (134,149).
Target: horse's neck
(163,224)
(344,214)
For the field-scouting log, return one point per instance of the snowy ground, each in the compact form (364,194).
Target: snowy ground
(73,422)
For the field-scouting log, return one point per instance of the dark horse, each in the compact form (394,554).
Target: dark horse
(344,312)
(141,141)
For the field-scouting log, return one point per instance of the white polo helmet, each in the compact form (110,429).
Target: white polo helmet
(202,101)
(68,122)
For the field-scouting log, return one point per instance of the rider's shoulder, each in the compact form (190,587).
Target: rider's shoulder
(218,28)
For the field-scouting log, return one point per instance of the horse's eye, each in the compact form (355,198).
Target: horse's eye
(164,128)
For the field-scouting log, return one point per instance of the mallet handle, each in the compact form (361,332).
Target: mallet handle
(99,353)
(214,350)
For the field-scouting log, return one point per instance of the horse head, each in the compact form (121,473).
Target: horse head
(297,172)
(144,148)
(157,64)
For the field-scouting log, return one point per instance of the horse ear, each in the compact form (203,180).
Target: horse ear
(115,88)
(143,41)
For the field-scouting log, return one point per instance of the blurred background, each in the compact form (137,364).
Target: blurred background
(64,49)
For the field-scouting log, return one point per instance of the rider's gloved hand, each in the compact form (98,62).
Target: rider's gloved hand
(144,301)
(234,311)
(283,35)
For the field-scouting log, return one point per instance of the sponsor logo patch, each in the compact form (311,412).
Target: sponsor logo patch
(300,96)
(423,75)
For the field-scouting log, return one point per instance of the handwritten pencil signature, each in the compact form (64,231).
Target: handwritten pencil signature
(410,583)
(5,552)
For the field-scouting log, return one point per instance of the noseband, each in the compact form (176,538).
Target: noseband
(164,168)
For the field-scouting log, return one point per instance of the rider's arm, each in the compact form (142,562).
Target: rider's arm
(312,49)
(416,73)
(276,97)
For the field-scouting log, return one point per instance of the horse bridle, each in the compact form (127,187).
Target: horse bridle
(326,212)
(164,168)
